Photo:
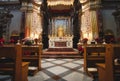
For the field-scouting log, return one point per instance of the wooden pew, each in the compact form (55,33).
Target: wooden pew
(93,53)
(32,54)
(11,62)
(110,70)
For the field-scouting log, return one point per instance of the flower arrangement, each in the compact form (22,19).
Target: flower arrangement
(98,40)
(112,40)
(80,49)
(36,41)
(12,40)
(1,41)
(118,39)
(28,41)
(84,40)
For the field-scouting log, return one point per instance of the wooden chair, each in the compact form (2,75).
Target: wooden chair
(110,70)
(11,62)
(94,53)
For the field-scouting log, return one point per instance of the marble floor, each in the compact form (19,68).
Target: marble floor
(58,70)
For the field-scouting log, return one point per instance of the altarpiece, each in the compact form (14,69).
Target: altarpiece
(60,33)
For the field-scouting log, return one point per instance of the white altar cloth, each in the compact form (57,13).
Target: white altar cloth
(61,42)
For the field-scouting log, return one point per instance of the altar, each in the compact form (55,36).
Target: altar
(61,42)
(60,33)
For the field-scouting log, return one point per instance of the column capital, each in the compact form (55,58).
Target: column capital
(29,10)
(91,5)
(24,7)
(83,1)
(40,14)
(95,4)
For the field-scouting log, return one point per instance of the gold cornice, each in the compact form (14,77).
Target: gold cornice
(37,3)
(60,2)
(95,4)
(9,2)
(91,5)
(83,1)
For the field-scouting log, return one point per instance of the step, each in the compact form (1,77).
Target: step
(61,53)
(60,49)
(61,56)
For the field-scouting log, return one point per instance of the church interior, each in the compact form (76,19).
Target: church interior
(59,40)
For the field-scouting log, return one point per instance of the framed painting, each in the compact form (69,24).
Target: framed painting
(60,23)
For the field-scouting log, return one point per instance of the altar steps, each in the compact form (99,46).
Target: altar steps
(61,50)
(61,56)
(61,53)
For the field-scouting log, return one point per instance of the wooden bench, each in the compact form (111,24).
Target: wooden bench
(93,53)
(11,62)
(110,70)
(32,54)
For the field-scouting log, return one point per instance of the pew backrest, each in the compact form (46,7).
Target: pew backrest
(93,54)
(13,52)
(112,66)
(32,54)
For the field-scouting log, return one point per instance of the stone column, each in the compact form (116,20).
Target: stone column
(40,26)
(80,16)
(94,11)
(23,10)
(89,19)
(36,28)
(28,23)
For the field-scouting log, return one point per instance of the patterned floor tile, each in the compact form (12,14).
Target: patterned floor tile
(70,65)
(47,64)
(58,70)
(75,76)
(58,61)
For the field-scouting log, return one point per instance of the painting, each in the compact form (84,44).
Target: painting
(60,22)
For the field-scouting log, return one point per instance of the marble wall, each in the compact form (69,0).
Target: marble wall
(108,20)
(15,24)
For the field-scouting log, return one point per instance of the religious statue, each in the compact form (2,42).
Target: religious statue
(60,32)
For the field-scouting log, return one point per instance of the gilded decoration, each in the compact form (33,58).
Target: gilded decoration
(60,26)
(83,1)
(36,28)
(94,24)
(58,2)
(95,4)
(89,20)
(60,32)
(85,24)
